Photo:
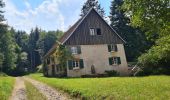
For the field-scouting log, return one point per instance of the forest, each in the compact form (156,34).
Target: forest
(143,24)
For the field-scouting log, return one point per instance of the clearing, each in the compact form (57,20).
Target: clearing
(6,87)
(113,88)
(122,88)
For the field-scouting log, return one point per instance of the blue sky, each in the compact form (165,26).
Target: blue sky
(46,14)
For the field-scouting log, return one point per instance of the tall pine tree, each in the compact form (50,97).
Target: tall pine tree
(136,40)
(34,56)
(7,44)
(92,4)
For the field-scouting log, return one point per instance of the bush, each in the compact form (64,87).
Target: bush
(3,74)
(156,60)
(112,73)
(94,75)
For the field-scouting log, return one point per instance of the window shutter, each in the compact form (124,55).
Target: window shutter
(70,64)
(81,63)
(119,60)
(79,49)
(109,48)
(110,60)
(116,48)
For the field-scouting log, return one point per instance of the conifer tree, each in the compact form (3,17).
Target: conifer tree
(92,4)
(7,44)
(135,38)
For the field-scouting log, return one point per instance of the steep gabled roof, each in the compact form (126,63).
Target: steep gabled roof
(71,30)
(68,33)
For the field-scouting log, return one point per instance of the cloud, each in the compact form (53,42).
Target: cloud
(49,15)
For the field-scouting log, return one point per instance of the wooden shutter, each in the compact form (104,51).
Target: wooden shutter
(70,64)
(119,60)
(111,61)
(81,63)
(116,48)
(109,48)
(79,49)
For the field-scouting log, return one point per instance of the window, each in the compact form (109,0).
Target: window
(112,48)
(114,61)
(95,31)
(48,61)
(99,31)
(74,50)
(76,64)
(92,31)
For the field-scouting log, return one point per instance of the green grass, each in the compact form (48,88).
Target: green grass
(6,87)
(33,93)
(117,88)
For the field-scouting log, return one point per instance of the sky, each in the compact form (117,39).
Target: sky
(45,14)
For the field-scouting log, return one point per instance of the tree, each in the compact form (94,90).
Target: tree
(47,40)
(34,56)
(1,61)
(92,4)
(22,66)
(117,15)
(152,16)
(135,38)
(21,38)
(156,60)
(63,55)
(8,48)
(2,4)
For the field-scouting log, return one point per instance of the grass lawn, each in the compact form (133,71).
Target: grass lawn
(119,88)
(33,93)
(6,87)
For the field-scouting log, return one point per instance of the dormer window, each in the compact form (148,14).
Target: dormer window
(92,31)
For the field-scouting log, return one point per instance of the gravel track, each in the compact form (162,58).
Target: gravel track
(49,92)
(19,92)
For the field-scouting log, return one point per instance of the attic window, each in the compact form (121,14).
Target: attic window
(95,31)
(98,31)
(92,31)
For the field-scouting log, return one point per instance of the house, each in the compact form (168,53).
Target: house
(95,47)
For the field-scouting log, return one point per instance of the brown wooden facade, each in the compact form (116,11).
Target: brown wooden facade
(81,34)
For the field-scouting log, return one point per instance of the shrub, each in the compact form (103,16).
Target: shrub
(156,60)
(3,74)
(112,73)
(94,75)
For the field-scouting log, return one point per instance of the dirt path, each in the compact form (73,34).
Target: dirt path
(19,92)
(47,91)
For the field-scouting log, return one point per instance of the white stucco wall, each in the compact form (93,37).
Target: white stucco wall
(98,56)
